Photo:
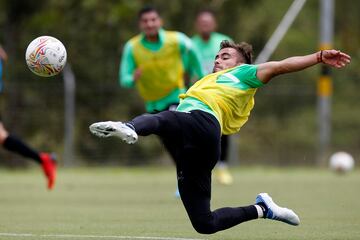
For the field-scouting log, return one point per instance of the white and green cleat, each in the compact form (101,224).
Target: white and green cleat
(275,212)
(114,129)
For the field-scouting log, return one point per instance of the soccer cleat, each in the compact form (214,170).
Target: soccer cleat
(275,212)
(116,129)
(224,176)
(48,164)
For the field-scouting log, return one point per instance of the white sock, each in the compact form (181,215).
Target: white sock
(259,211)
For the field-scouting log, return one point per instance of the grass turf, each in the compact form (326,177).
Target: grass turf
(141,202)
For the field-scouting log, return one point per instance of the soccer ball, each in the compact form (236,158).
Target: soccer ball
(46,56)
(341,162)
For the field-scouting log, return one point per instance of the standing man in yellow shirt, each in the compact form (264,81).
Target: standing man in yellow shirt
(156,62)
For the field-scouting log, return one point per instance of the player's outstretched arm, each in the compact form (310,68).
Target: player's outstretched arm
(334,58)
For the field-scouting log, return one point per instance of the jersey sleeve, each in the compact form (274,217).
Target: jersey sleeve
(127,67)
(246,73)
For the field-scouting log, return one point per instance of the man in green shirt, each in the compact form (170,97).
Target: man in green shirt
(207,42)
(219,103)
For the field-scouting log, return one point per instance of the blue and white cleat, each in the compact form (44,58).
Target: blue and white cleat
(275,212)
(116,129)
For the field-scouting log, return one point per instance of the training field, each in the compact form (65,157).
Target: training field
(139,203)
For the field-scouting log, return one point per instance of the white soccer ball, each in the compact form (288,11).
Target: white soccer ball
(341,162)
(46,56)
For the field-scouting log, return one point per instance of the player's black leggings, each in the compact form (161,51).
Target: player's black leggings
(193,139)
(224,148)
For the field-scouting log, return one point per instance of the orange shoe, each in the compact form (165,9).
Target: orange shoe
(48,164)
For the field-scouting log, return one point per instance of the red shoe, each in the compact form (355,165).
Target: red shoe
(48,163)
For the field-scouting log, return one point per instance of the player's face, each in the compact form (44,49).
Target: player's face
(150,23)
(227,58)
(205,23)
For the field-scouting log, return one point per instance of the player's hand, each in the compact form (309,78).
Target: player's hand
(137,74)
(335,58)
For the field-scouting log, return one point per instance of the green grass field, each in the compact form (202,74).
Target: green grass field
(139,203)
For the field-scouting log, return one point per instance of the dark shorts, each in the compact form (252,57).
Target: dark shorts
(193,139)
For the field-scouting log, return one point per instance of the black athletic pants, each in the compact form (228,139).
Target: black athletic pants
(193,139)
(224,148)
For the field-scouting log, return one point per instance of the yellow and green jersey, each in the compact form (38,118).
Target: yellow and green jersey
(208,49)
(227,94)
(162,65)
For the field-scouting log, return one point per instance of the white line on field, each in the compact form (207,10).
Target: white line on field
(91,236)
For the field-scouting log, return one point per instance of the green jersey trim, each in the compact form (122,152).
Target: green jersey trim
(242,77)
(191,103)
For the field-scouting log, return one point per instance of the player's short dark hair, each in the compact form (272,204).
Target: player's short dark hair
(243,48)
(147,9)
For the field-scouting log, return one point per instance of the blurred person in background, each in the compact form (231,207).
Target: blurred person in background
(156,62)
(207,42)
(219,103)
(14,144)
